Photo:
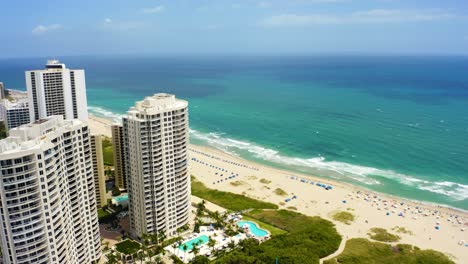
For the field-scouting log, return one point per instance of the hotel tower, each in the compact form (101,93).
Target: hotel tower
(56,90)
(47,194)
(155,133)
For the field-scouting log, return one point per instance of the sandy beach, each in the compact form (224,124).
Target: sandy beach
(430,226)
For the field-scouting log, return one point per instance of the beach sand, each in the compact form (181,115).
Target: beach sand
(370,209)
(100,126)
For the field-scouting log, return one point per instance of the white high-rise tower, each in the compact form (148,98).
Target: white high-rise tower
(57,90)
(47,195)
(155,133)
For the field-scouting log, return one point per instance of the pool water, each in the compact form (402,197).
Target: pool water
(254,229)
(121,198)
(200,240)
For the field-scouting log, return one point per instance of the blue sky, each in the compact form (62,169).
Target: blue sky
(57,27)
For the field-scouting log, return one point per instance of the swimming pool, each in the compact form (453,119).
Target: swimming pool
(254,229)
(200,240)
(121,198)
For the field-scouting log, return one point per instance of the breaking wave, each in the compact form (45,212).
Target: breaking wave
(339,170)
(101,112)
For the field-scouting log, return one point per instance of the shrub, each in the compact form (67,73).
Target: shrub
(382,235)
(232,201)
(344,217)
(363,251)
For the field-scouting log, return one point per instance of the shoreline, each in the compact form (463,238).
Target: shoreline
(430,226)
(335,182)
(102,126)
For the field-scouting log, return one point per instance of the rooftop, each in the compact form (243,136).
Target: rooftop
(157,103)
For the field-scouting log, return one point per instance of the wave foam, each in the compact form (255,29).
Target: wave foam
(101,112)
(362,174)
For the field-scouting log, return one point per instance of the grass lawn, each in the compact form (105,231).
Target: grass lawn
(102,213)
(274,231)
(231,201)
(363,251)
(108,156)
(107,152)
(127,247)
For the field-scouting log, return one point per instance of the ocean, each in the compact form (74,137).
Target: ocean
(393,124)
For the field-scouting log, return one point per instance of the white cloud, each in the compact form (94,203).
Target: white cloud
(396,15)
(41,29)
(361,17)
(153,10)
(299,20)
(112,25)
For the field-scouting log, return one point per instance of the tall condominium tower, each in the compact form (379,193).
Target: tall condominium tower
(57,90)
(118,150)
(2,91)
(155,135)
(98,170)
(47,201)
(14,114)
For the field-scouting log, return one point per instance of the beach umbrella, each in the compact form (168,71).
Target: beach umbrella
(437,227)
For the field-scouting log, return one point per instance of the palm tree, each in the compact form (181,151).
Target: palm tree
(231,244)
(211,243)
(195,249)
(162,237)
(184,248)
(158,260)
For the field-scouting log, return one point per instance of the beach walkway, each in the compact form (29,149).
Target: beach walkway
(336,253)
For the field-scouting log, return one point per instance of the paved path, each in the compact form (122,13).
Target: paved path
(336,253)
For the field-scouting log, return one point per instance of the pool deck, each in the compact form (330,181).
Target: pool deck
(218,235)
(221,239)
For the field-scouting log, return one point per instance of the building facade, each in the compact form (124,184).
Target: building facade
(47,201)
(155,135)
(98,170)
(119,162)
(14,114)
(2,91)
(57,90)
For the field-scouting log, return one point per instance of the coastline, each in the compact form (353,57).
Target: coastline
(371,209)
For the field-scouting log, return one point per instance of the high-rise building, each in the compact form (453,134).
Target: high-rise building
(98,170)
(118,150)
(47,196)
(155,135)
(57,90)
(14,114)
(2,91)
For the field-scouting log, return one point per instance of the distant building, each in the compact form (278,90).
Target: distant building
(47,194)
(2,91)
(118,150)
(98,170)
(57,90)
(155,133)
(14,114)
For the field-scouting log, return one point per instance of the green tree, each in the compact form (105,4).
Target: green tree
(195,249)
(200,260)
(211,243)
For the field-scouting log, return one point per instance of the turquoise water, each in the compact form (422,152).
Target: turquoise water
(258,232)
(121,198)
(203,239)
(397,125)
